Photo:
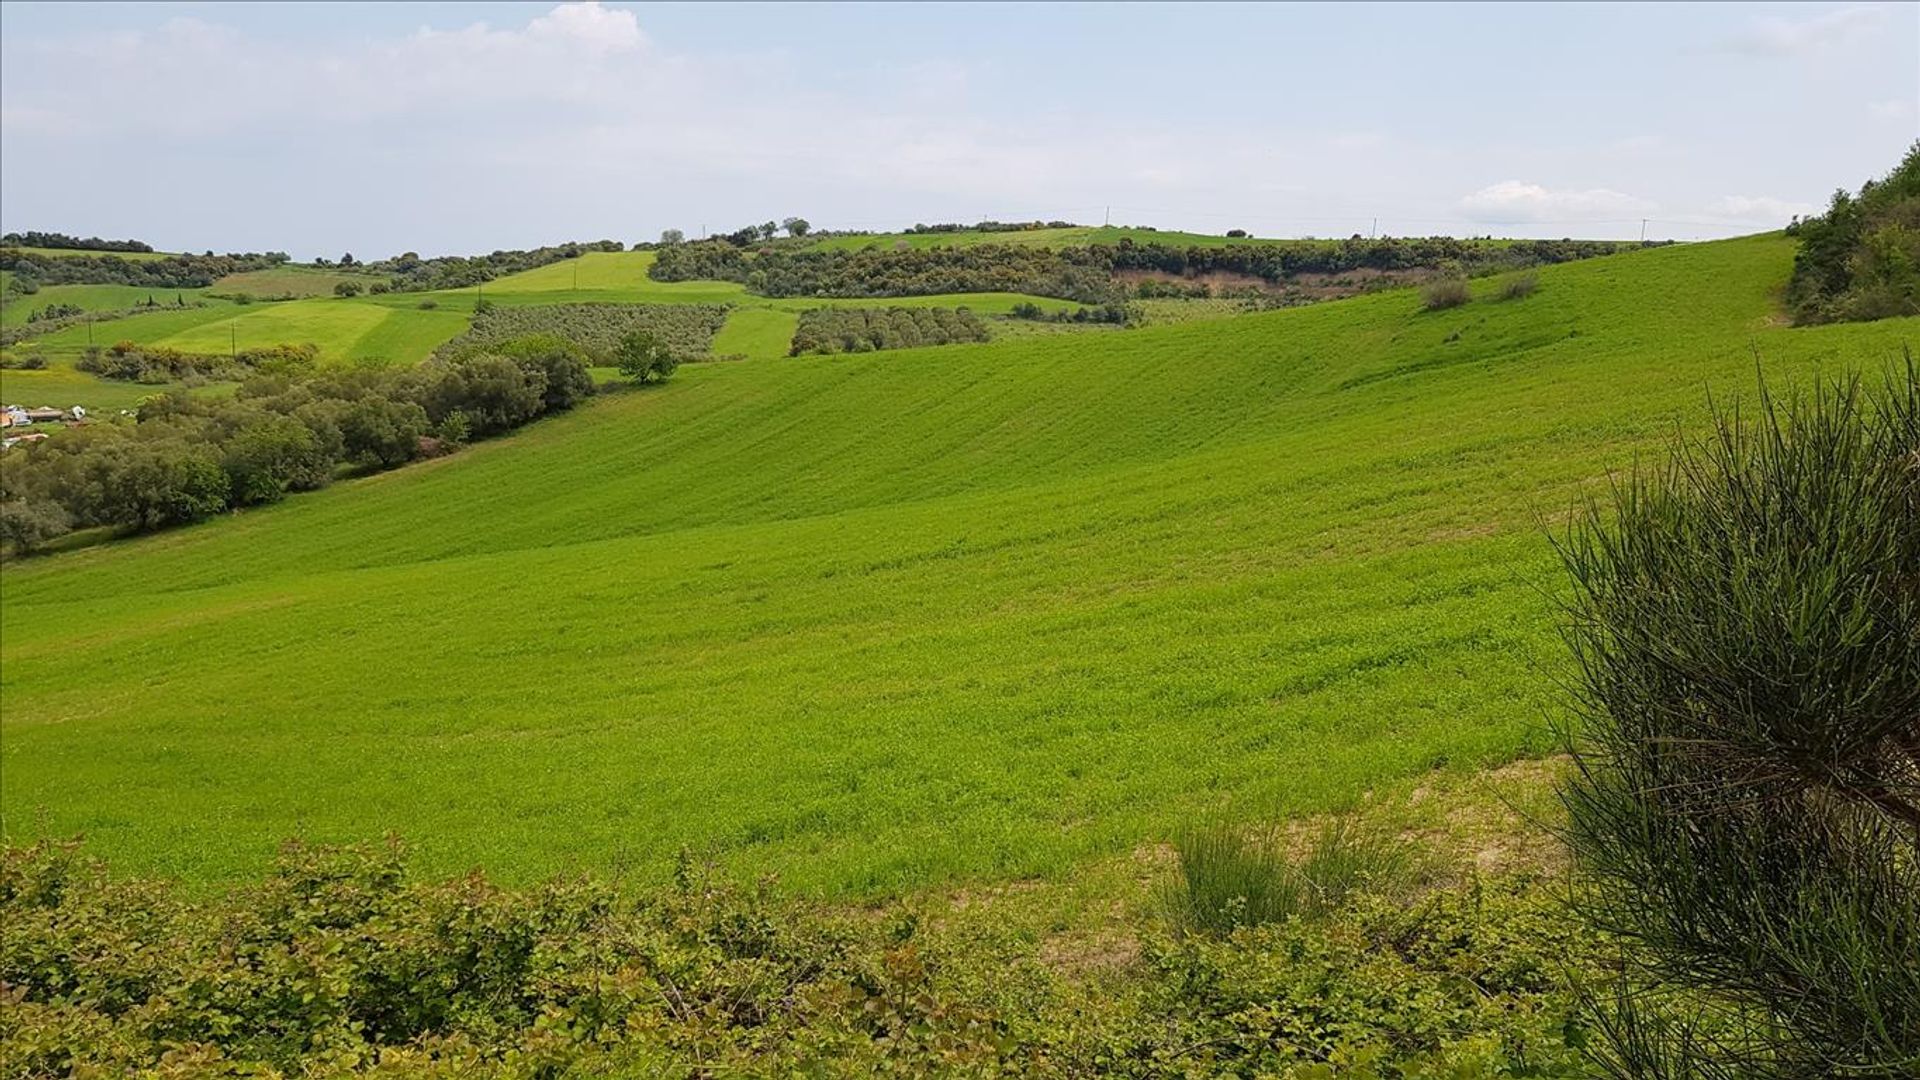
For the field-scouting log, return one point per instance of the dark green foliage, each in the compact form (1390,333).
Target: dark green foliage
(495,393)
(1446,293)
(172,272)
(287,428)
(346,288)
(157,363)
(339,963)
(25,526)
(838,330)
(37,239)
(687,329)
(990,227)
(561,362)
(1109,314)
(1861,259)
(1746,808)
(641,355)
(1087,273)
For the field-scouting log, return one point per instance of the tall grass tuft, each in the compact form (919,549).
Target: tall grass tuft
(1229,878)
(1745,807)
(1446,293)
(1519,286)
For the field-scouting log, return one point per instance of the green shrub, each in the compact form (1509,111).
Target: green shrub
(1446,293)
(1746,806)
(340,963)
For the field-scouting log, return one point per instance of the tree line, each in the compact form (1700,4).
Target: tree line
(36,238)
(844,330)
(1086,274)
(33,269)
(1861,259)
(180,458)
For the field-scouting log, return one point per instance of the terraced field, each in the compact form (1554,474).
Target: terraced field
(878,621)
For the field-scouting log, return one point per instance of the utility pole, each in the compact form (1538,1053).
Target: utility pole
(1643,230)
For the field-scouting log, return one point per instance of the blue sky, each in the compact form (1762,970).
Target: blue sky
(441,128)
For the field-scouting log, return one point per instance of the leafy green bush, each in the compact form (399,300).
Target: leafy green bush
(1746,807)
(1861,259)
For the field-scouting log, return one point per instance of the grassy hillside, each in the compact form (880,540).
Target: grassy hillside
(14,309)
(874,621)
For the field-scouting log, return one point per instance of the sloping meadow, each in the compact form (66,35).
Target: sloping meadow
(871,623)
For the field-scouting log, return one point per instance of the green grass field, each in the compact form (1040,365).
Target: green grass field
(880,621)
(295,281)
(15,309)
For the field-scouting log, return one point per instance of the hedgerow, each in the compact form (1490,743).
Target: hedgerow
(838,330)
(687,329)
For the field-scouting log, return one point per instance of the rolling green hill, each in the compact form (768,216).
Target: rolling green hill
(882,620)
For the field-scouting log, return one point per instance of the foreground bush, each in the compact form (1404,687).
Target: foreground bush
(338,963)
(1746,807)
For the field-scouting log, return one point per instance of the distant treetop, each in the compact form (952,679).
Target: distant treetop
(34,238)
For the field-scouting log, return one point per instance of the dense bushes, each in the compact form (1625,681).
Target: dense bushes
(838,330)
(182,458)
(1087,274)
(338,963)
(171,272)
(687,329)
(132,362)
(1746,808)
(1861,259)
(36,239)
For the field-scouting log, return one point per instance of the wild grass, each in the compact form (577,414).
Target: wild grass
(876,622)
(1229,878)
(1446,293)
(1519,286)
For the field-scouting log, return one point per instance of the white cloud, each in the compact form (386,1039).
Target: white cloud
(590,26)
(1514,201)
(1761,208)
(1778,36)
(1893,109)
